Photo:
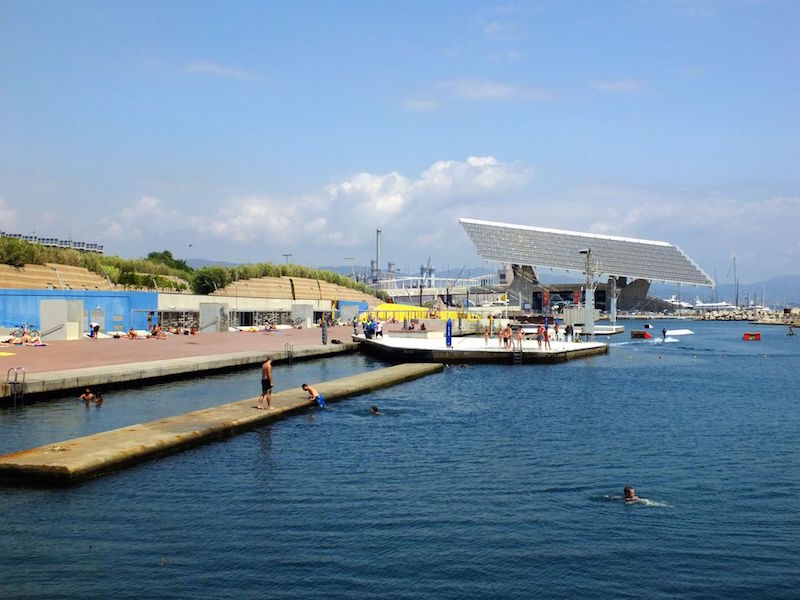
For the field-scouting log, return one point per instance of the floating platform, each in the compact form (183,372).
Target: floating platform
(75,460)
(473,350)
(603,329)
(752,336)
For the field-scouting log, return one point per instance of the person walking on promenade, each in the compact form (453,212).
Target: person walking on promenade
(266,384)
(312,393)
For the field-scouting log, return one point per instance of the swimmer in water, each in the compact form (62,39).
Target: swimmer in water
(630,494)
(373,409)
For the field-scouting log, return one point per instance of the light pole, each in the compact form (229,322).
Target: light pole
(588,303)
(286,256)
(352,267)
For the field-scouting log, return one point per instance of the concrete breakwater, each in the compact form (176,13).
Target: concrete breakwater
(754,316)
(72,461)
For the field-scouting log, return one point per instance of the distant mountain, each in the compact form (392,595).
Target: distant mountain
(199,263)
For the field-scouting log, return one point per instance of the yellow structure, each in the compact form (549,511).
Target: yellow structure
(398,312)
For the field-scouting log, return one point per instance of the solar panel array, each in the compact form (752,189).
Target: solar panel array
(613,256)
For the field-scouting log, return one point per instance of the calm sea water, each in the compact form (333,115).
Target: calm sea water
(490,481)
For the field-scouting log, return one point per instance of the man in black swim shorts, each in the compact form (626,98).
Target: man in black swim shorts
(266,384)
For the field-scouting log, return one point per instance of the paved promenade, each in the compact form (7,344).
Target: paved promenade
(71,364)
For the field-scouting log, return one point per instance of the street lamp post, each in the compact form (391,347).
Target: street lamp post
(588,304)
(352,267)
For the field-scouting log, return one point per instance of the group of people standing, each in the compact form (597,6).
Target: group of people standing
(508,340)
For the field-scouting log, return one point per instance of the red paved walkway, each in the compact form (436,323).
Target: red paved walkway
(57,356)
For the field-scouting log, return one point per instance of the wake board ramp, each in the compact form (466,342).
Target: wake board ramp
(679,332)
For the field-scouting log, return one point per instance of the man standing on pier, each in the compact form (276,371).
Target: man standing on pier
(266,384)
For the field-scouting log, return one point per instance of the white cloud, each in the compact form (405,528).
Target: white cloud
(483,89)
(8,216)
(423,211)
(204,67)
(692,72)
(420,104)
(149,215)
(259,218)
(381,195)
(478,89)
(496,30)
(147,206)
(626,86)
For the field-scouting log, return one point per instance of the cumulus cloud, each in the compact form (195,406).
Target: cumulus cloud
(423,210)
(259,218)
(148,214)
(204,67)
(8,216)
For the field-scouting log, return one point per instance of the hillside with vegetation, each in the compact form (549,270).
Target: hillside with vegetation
(161,269)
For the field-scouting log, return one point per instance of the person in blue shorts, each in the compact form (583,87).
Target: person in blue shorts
(312,393)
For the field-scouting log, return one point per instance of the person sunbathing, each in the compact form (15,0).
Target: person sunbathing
(132,335)
(29,339)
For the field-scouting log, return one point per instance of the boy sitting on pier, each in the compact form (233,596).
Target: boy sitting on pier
(312,393)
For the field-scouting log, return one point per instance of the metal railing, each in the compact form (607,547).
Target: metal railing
(17,386)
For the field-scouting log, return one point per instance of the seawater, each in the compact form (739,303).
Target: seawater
(483,481)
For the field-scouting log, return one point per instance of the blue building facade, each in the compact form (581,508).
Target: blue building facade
(118,310)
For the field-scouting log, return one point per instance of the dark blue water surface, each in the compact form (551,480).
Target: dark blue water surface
(480,482)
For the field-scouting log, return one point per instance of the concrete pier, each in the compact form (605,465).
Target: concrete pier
(79,459)
(159,370)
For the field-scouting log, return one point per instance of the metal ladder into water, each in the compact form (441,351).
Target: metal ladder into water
(288,347)
(517,357)
(17,387)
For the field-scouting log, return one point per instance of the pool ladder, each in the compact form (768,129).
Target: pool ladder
(288,347)
(517,358)
(17,387)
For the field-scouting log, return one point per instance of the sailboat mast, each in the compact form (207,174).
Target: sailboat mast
(736,283)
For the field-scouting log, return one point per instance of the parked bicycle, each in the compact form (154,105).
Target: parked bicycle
(24,328)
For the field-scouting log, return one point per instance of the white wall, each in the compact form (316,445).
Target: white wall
(186,302)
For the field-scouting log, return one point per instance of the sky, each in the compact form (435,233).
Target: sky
(244,131)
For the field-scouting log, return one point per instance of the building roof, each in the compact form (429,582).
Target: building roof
(566,250)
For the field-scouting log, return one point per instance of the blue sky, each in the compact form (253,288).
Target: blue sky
(249,130)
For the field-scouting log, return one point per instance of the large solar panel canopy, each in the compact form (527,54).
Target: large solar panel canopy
(566,250)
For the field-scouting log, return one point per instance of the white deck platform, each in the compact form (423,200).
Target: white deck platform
(475,349)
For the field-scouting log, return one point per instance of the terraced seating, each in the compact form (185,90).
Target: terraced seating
(305,289)
(51,276)
(77,278)
(294,288)
(263,287)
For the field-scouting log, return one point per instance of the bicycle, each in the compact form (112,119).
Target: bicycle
(28,328)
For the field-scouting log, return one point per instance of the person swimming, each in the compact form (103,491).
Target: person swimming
(373,409)
(630,494)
